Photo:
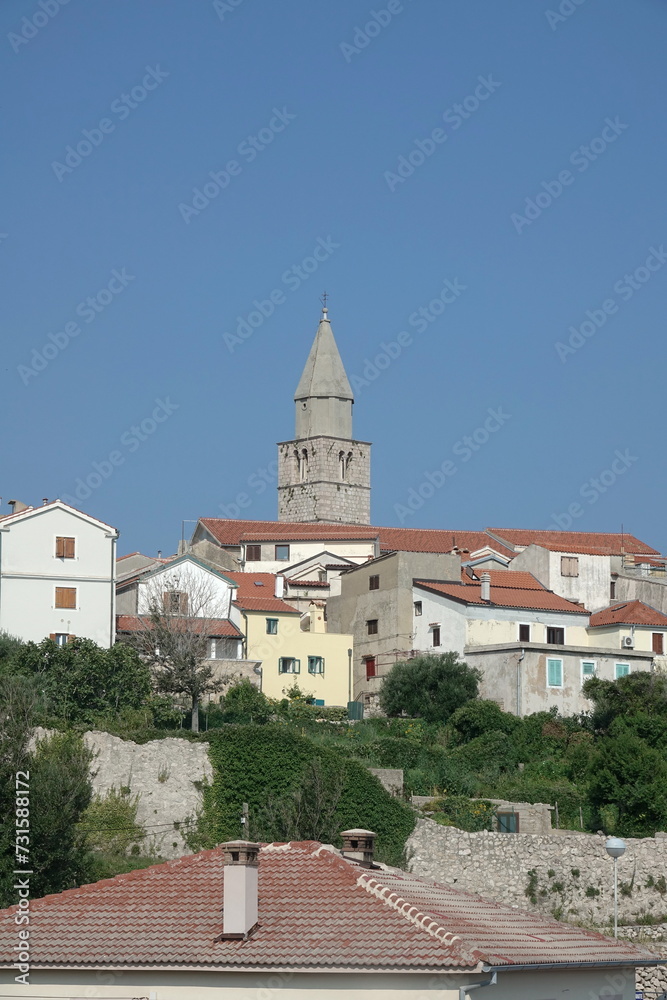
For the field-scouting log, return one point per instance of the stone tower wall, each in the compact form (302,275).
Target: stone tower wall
(324,495)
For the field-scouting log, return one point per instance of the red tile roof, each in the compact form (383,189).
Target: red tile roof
(309,583)
(317,911)
(233,532)
(592,542)
(508,590)
(256,592)
(631,613)
(215,628)
(439,540)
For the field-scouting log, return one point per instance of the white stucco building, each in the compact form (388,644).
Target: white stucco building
(57,574)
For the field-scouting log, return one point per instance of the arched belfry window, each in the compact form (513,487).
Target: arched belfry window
(304,464)
(344,461)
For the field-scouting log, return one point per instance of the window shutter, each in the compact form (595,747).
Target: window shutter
(52,636)
(69,548)
(166,601)
(71,638)
(183,603)
(60,547)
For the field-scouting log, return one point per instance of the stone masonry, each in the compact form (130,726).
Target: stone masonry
(323,495)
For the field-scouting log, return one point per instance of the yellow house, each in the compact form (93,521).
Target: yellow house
(294,648)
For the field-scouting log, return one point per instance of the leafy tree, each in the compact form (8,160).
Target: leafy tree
(640,692)
(18,705)
(243,702)
(429,687)
(81,680)
(478,717)
(9,646)
(630,776)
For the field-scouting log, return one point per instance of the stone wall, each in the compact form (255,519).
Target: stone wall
(391,779)
(566,874)
(167,775)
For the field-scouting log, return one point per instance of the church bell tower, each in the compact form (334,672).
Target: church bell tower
(324,474)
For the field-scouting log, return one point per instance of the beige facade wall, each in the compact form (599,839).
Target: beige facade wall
(332,686)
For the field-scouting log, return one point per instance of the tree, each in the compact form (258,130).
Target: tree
(173,638)
(82,680)
(243,702)
(429,687)
(480,716)
(641,692)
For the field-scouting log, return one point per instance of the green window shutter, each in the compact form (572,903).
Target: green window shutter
(555,673)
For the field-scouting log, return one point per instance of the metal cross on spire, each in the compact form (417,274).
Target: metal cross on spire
(324,300)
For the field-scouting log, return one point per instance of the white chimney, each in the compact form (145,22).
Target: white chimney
(239,913)
(486,586)
(280,587)
(316,615)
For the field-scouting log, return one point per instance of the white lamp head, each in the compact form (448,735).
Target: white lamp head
(615,847)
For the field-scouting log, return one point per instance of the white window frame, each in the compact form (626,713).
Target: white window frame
(556,659)
(586,677)
(616,673)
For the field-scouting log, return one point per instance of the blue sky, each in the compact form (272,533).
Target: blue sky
(534,199)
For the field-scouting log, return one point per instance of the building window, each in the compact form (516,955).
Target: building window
(612,590)
(372,626)
(658,643)
(64,547)
(508,822)
(418,608)
(272,626)
(175,602)
(373,582)
(253,553)
(315,664)
(66,597)
(555,673)
(371,667)
(282,553)
(621,670)
(289,665)
(569,566)
(556,636)
(61,638)
(587,670)
(524,633)
(344,464)
(436,635)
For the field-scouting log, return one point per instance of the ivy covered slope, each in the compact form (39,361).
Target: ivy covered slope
(295,786)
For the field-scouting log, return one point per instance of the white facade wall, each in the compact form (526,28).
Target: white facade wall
(591,587)
(30,573)
(189,576)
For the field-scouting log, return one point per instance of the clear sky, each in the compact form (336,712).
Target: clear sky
(513,150)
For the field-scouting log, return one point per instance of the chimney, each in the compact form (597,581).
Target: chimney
(316,613)
(17,506)
(358,845)
(486,586)
(279,590)
(239,913)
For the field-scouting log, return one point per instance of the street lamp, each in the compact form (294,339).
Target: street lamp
(615,848)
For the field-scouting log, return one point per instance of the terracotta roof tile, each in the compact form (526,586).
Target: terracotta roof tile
(630,613)
(256,592)
(508,590)
(232,532)
(215,628)
(439,540)
(309,583)
(316,911)
(592,542)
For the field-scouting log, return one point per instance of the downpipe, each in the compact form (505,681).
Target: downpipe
(465,990)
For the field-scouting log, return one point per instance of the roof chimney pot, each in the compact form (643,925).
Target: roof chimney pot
(359,845)
(239,915)
(486,587)
(279,590)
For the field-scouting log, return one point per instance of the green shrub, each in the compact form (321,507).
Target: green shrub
(478,717)
(464,813)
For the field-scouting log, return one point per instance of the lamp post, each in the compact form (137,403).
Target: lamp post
(615,848)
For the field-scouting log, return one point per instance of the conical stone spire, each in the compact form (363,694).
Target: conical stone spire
(324,397)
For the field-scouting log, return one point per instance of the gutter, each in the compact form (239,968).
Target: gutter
(465,990)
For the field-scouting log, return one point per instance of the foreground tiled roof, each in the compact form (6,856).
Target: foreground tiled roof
(215,628)
(508,590)
(592,542)
(317,911)
(631,613)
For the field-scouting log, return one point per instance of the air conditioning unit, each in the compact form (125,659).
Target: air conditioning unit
(628,642)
